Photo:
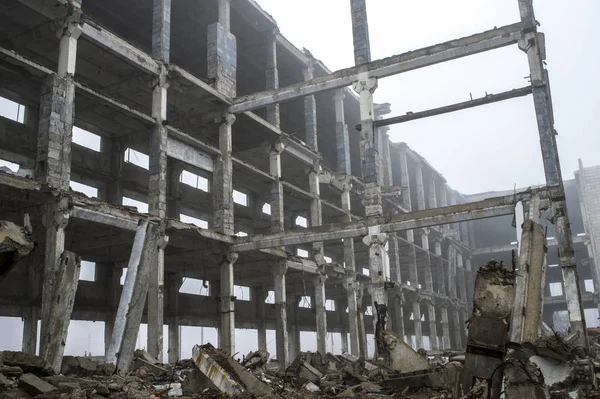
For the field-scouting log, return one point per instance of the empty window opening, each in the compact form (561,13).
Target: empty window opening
(194,287)
(266,209)
(328,259)
(270,297)
(553,265)
(556,289)
(366,272)
(142,207)
(84,188)
(192,220)
(241,293)
(240,198)
(301,221)
(12,110)
(241,234)
(137,158)
(305,302)
(87,139)
(14,167)
(369,311)
(194,180)
(589,285)
(88,271)
(330,305)
(302,252)
(580,234)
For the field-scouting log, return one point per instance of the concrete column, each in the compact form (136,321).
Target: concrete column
(30,323)
(433,335)
(293,328)
(110,276)
(444,202)
(417,321)
(386,159)
(341,134)
(316,210)
(457,329)
(174,285)
(156,294)
(56,219)
(462,286)
(227,304)
(276,198)
(360,32)
(420,186)
(428,273)
(222,184)
(161,29)
(362,334)
(404,178)
(67,54)
(310,113)
(259,297)
(35,265)
(397,311)
(222,52)
(394,256)
(440,274)
(445,328)
(133,297)
(174,170)
(321,314)
(272,77)
(350,283)
(114,189)
(279,271)
(469,279)
(452,293)
(63,298)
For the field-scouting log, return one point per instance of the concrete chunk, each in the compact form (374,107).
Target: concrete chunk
(34,385)
(15,244)
(27,362)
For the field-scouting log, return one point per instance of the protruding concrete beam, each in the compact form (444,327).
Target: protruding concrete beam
(480,42)
(65,287)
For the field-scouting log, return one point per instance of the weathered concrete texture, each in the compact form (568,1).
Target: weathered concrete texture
(227,304)
(360,32)
(35,386)
(488,329)
(402,358)
(15,244)
(272,78)
(279,271)
(55,334)
(222,192)
(310,114)
(321,314)
(342,141)
(527,314)
(53,160)
(276,195)
(161,29)
(222,59)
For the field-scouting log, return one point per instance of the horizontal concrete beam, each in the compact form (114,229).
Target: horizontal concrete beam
(81,212)
(188,154)
(509,247)
(480,42)
(120,47)
(488,208)
(488,99)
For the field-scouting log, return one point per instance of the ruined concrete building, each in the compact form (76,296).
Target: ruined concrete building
(260,168)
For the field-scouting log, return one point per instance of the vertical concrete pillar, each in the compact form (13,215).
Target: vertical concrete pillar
(469,278)
(56,219)
(350,284)
(397,311)
(420,186)
(404,177)
(386,159)
(433,335)
(440,273)
(279,271)
(362,333)
(161,29)
(30,324)
(222,184)
(174,282)
(67,55)
(259,296)
(457,328)
(321,314)
(35,265)
(157,206)
(114,189)
(432,198)
(276,198)
(310,113)
(341,134)
(227,304)
(417,321)
(222,52)
(360,32)
(110,276)
(293,328)
(427,264)
(316,210)
(460,274)
(272,76)
(445,328)
(452,293)
(55,334)
(174,170)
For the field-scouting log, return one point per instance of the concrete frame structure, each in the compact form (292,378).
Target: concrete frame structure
(152,90)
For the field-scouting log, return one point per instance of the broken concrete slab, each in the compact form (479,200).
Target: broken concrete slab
(35,385)
(400,356)
(523,379)
(11,371)
(15,243)
(29,363)
(556,374)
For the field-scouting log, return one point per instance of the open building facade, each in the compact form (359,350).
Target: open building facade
(263,173)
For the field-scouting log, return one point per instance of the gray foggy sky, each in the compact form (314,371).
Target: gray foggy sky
(487,148)
(491,147)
